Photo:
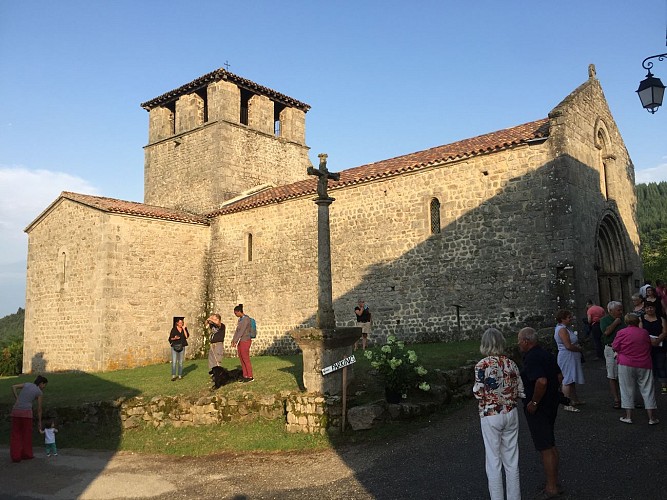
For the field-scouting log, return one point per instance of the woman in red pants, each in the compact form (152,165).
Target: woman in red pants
(20,441)
(242,341)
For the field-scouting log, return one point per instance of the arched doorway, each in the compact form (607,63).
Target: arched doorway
(610,263)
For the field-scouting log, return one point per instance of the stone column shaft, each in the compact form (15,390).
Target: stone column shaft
(325,311)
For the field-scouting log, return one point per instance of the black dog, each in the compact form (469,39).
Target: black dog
(221,376)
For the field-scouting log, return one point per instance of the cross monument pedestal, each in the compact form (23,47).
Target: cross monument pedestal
(324,345)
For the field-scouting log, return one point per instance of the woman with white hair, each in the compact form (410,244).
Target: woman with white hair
(498,387)
(633,345)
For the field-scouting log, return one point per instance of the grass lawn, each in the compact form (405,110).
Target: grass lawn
(273,374)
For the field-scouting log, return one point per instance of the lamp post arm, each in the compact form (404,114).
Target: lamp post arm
(648,65)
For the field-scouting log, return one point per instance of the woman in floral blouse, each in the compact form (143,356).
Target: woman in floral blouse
(498,387)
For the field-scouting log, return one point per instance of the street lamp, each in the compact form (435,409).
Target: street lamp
(651,90)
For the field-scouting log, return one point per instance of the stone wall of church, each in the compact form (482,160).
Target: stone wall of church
(156,270)
(102,289)
(203,168)
(593,178)
(489,256)
(64,296)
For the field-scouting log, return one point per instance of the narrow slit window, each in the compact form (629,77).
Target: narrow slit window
(204,97)
(61,269)
(249,247)
(246,95)
(435,216)
(171,106)
(277,125)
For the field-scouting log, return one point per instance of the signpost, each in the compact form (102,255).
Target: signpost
(338,365)
(343,363)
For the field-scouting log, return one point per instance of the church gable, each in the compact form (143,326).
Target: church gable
(116,206)
(97,265)
(595,176)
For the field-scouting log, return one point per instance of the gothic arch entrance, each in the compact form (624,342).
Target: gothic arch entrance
(612,273)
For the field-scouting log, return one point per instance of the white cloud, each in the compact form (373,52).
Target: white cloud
(25,194)
(653,174)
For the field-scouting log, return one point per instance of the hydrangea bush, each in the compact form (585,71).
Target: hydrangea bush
(398,367)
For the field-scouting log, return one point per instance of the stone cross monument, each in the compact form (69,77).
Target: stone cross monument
(326,344)
(325,312)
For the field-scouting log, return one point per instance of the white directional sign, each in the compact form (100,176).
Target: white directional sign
(338,365)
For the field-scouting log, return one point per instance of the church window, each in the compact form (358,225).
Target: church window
(603,166)
(246,95)
(606,158)
(248,247)
(277,125)
(62,268)
(603,177)
(171,106)
(435,216)
(204,97)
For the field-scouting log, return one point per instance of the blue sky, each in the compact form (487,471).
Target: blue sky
(384,78)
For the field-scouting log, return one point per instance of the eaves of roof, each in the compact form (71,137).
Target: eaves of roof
(122,207)
(480,145)
(223,74)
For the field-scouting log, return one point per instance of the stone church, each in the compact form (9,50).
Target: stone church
(500,229)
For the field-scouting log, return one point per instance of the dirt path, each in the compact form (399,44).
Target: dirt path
(105,475)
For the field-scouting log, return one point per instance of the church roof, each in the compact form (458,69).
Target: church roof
(482,144)
(115,206)
(223,74)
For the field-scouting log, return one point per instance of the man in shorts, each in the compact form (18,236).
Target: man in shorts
(364,321)
(541,378)
(610,325)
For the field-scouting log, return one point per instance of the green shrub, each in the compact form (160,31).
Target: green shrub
(11,358)
(398,367)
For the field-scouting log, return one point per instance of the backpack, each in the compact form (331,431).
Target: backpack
(253,328)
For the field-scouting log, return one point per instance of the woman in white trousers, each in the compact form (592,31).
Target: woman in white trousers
(498,387)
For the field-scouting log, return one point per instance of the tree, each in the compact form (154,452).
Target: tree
(652,219)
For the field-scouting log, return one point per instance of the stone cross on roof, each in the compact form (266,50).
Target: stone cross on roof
(323,176)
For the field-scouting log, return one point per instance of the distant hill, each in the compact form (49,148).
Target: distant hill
(11,327)
(652,218)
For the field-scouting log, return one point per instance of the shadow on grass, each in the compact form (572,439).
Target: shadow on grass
(188,368)
(295,369)
(88,424)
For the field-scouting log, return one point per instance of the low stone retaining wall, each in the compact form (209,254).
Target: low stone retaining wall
(301,412)
(451,386)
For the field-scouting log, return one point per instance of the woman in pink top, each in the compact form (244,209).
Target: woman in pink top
(633,346)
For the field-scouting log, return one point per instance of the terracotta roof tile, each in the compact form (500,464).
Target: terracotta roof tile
(223,74)
(115,206)
(466,148)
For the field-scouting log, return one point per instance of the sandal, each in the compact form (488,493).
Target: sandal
(545,495)
(626,420)
(653,421)
(571,408)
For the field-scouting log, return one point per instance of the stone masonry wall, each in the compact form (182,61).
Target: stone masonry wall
(216,162)
(156,270)
(488,257)
(579,200)
(124,279)
(64,282)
